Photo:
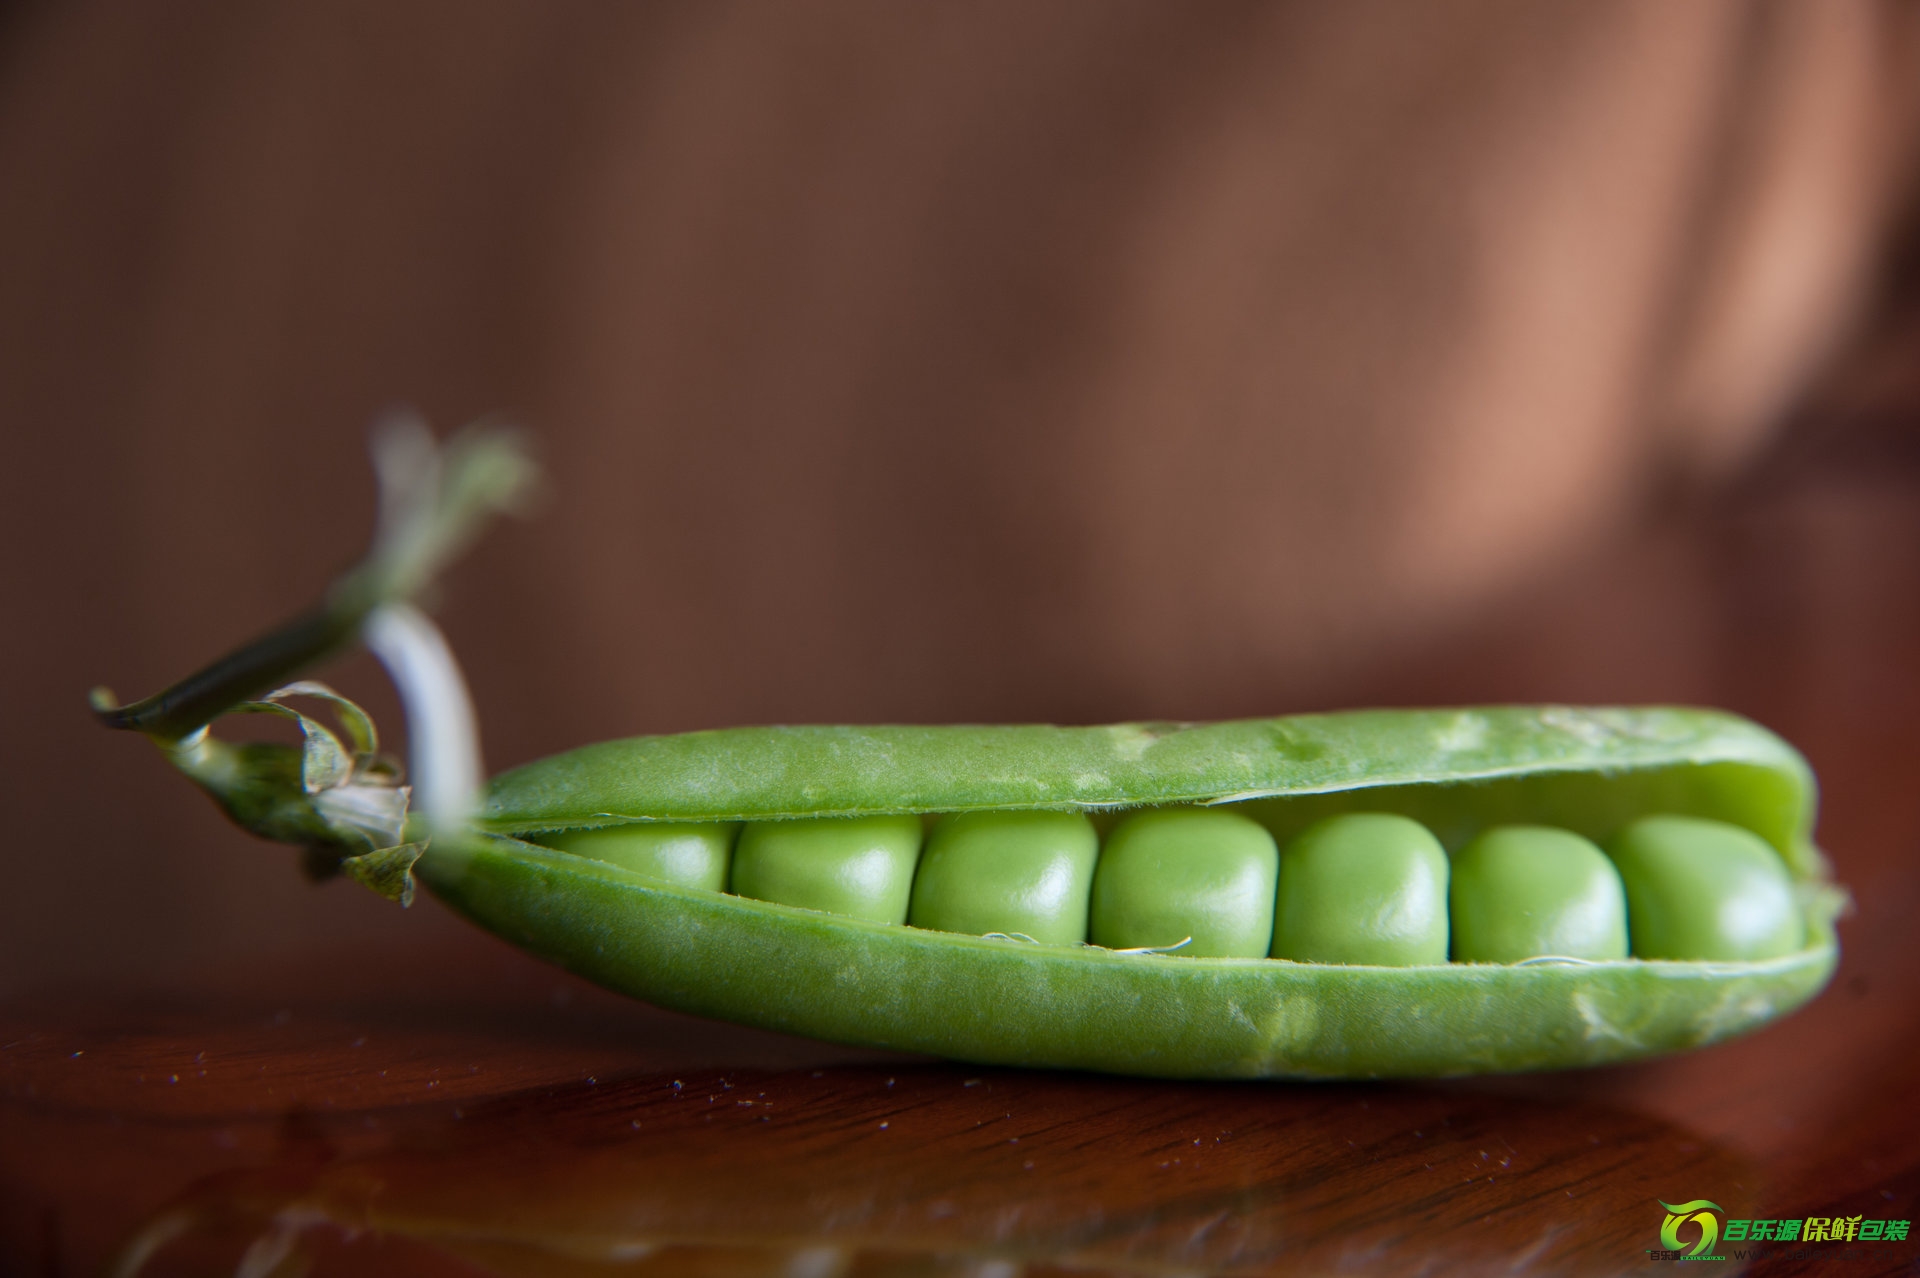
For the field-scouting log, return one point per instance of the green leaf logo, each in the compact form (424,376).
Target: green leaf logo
(1700,1212)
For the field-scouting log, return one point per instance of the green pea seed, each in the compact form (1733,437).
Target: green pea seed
(692,854)
(859,866)
(1366,887)
(1523,891)
(1025,872)
(1172,873)
(1705,890)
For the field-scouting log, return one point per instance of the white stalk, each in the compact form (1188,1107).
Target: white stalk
(443,738)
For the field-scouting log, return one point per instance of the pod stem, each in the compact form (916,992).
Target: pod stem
(432,503)
(347,806)
(245,674)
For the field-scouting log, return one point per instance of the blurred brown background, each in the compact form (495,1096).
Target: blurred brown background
(1073,362)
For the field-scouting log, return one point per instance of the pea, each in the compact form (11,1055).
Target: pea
(1705,890)
(1527,891)
(691,854)
(861,867)
(1025,873)
(1363,888)
(1197,878)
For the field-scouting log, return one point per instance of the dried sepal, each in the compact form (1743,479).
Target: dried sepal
(372,811)
(357,722)
(342,806)
(324,762)
(388,871)
(358,796)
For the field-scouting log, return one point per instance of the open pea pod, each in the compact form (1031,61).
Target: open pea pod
(1005,1002)
(1152,1006)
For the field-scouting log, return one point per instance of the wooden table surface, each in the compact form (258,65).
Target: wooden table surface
(455,1108)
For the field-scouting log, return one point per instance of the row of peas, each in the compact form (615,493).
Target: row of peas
(1370,888)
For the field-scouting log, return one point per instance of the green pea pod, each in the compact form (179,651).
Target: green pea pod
(991,1000)
(1003,999)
